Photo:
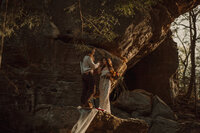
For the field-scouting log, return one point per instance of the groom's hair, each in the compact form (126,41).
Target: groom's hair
(91,50)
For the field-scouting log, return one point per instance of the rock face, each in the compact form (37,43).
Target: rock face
(163,125)
(52,73)
(161,109)
(155,72)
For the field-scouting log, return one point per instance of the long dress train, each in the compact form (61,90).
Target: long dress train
(86,117)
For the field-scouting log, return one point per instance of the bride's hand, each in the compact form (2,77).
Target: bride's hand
(108,74)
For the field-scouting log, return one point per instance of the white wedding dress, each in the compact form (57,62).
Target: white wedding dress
(104,89)
(86,117)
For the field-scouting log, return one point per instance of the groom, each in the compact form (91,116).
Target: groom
(88,67)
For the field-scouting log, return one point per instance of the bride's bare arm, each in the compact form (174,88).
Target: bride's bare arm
(99,70)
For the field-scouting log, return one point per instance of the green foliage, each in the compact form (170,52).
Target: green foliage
(103,25)
(17,18)
(101,17)
(125,9)
(128,7)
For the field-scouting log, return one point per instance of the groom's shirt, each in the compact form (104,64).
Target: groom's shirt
(89,65)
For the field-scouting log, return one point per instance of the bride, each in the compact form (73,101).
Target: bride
(106,78)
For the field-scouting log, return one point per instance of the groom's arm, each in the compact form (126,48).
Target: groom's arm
(92,64)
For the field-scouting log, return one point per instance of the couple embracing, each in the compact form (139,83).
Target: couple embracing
(107,75)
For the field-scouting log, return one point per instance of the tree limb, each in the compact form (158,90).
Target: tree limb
(92,25)
(81,16)
(183,25)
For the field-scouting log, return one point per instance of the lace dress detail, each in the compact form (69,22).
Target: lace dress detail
(104,89)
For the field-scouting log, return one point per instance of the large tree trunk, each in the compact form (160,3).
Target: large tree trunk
(185,63)
(194,17)
(184,81)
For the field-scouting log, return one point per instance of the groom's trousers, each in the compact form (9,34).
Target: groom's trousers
(89,88)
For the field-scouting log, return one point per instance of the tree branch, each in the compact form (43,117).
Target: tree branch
(181,43)
(182,60)
(92,25)
(81,16)
(183,25)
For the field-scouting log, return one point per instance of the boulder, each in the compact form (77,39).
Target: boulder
(148,120)
(163,125)
(189,127)
(135,101)
(160,108)
(107,123)
(120,113)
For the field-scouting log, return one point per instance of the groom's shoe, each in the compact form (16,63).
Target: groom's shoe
(87,106)
(84,107)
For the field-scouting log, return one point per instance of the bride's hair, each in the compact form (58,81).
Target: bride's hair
(108,64)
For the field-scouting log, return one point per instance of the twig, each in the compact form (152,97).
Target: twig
(184,25)
(181,43)
(81,17)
